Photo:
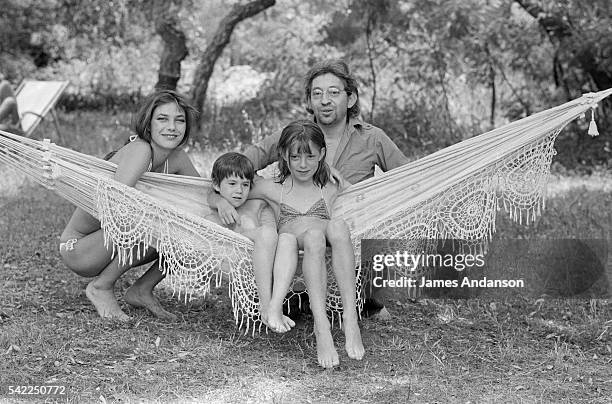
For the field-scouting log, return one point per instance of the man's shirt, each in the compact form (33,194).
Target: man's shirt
(359,150)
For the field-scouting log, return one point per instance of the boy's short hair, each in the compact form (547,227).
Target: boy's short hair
(232,163)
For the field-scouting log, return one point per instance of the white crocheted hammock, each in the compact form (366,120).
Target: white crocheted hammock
(453,193)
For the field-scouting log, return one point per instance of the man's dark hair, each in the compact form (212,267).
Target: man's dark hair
(340,69)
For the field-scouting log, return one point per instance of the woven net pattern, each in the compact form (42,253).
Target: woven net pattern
(245,300)
(192,250)
(465,211)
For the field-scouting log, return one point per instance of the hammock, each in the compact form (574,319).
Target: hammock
(454,193)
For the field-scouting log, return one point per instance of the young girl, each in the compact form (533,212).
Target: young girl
(162,124)
(301,198)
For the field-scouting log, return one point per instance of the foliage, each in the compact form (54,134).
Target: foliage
(431,72)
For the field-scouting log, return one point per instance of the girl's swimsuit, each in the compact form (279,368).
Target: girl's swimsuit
(288,214)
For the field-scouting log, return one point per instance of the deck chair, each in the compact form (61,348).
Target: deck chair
(35,99)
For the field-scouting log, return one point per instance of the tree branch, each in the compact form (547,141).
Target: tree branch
(216,46)
(173,53)
(559,30)
(174,44)
(371,63)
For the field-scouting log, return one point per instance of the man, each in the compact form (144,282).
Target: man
(353,146)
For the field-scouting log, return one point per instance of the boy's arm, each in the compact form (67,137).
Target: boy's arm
(213,217)
(227,213)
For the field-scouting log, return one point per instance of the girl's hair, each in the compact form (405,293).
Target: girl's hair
(298,135)
(232,163)
(142,120)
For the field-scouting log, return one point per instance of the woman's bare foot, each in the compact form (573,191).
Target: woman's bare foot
(105,302)
(140,298)
(326,351)
(276,320)
(352,335)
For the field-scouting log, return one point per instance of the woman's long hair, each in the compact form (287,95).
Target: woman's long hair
(141,121)
(298,135)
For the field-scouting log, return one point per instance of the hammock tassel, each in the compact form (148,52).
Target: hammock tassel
(592,125)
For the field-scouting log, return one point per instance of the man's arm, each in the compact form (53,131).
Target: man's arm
(263,153)
(389,155)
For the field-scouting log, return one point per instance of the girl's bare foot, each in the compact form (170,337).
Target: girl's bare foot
(105,302)
(139,298)
(276,320)
(352,335)
(326,352)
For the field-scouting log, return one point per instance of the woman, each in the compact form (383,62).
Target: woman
(162,124)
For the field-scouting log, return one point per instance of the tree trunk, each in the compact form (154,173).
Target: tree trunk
(491,85)
(371,62)
(221,38)
(175,50)
(493,95)
(174,42)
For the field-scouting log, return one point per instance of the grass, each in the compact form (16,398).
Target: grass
(432,351)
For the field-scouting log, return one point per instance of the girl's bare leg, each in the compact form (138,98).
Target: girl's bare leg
(100,291)
(102,295)
(285,265)
(343,261)
(315,275)
(85,255)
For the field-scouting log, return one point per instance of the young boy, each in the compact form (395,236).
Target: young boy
(232,177)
